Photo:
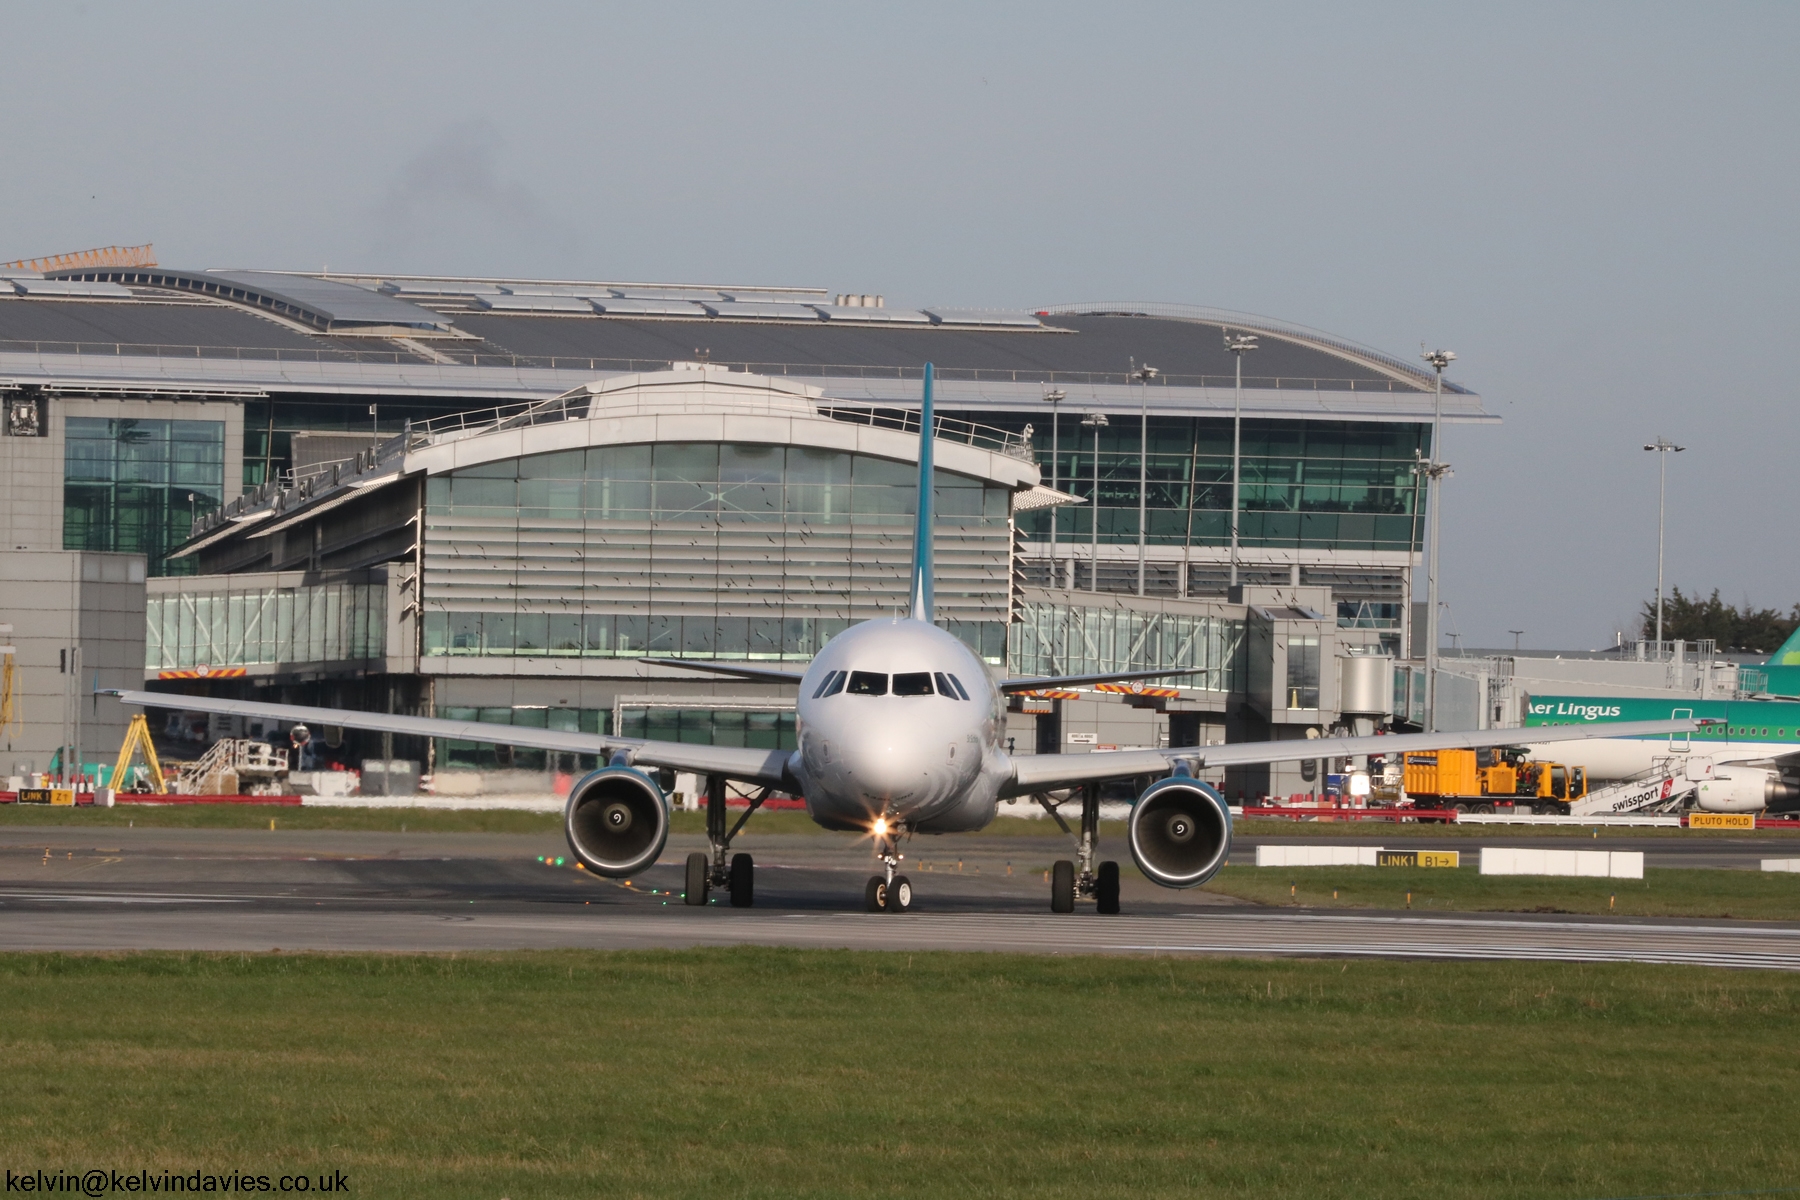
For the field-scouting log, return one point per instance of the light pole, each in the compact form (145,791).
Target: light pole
(1095,421)
(1517,634)
(1661,446)
(1439,359)
(1143,375)
(1054,397)
(1239,344)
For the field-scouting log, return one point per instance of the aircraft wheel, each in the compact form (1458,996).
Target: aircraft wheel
(1062,886)
(899,895)
(743,881)
(875,894)
(1106,889)
(697,881)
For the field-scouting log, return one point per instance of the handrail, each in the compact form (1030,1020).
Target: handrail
(479,359)
(945,429)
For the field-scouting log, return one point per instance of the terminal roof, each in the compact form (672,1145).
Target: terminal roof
(520,338)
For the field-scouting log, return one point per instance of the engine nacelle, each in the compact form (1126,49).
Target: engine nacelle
(1745,789)
(617,821)
(1180,832)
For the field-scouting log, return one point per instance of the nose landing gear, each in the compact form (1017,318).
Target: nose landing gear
(1079,878)
(705,872)
(888,892)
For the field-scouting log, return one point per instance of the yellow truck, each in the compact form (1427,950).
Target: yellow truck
(1477,780)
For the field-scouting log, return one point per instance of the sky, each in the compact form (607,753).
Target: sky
(1593,205)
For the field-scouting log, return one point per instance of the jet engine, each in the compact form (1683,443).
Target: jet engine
(1180,831)
(1745,789)
(617,821)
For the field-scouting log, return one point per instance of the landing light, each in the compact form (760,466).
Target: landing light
(881,827)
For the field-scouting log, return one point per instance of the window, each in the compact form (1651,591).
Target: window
(913,683)
(1303,672)
(956,683)
(944,688)
(868,683)
(136,484)
(832,684)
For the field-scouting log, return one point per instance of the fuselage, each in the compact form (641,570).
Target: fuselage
(1747,731)
(898,719)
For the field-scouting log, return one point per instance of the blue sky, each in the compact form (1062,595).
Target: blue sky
(1593,205)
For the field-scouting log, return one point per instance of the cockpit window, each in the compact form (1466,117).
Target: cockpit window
(961,692)
(946,688)
(868,683)
(832,685)
(913,683)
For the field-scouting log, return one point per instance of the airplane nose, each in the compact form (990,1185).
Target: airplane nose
(885,768)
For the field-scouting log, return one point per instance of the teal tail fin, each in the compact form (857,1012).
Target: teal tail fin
(923,607)
(1789,653)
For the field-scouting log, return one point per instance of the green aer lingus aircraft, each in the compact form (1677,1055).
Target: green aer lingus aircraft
(1747,745)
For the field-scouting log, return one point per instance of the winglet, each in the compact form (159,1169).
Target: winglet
(923,605)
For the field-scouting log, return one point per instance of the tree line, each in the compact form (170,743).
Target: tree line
(1745,629)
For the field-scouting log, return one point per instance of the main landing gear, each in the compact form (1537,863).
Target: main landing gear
(887,892)
(705,872)
(1079,878)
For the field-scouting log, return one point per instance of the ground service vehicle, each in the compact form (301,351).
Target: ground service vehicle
(1477,780)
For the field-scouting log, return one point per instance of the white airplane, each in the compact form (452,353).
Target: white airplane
(1736,759)
(901,729)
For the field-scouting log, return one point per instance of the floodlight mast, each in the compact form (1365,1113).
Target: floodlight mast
(1143,375)
(1054,397)
(1662,446)
(1239,344)
(1095,421)
(1434,473)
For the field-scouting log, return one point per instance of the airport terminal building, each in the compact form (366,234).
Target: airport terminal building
(494,498)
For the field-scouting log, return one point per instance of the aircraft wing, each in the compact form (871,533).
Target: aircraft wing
(1038,772)
(734,762)
(1056,681)
(774,674)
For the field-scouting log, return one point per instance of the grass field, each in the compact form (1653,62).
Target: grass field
(425,820)
(785,821)
(285,816)
(1747,895)
(796,1073)
(1388,830)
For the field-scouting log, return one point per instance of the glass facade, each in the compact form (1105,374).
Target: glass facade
(1057,639)
(136,484)
(758,729)
(456,755)
(697,549)
(337,622)
(1334,485)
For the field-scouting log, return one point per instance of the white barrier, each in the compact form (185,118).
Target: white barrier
(1316,856)
(439,803)
(1782,864)
(1559,819)
(1600,864)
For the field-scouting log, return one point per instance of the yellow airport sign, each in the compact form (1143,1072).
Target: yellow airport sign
(1701,820)
(46,796)
(1418,858)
